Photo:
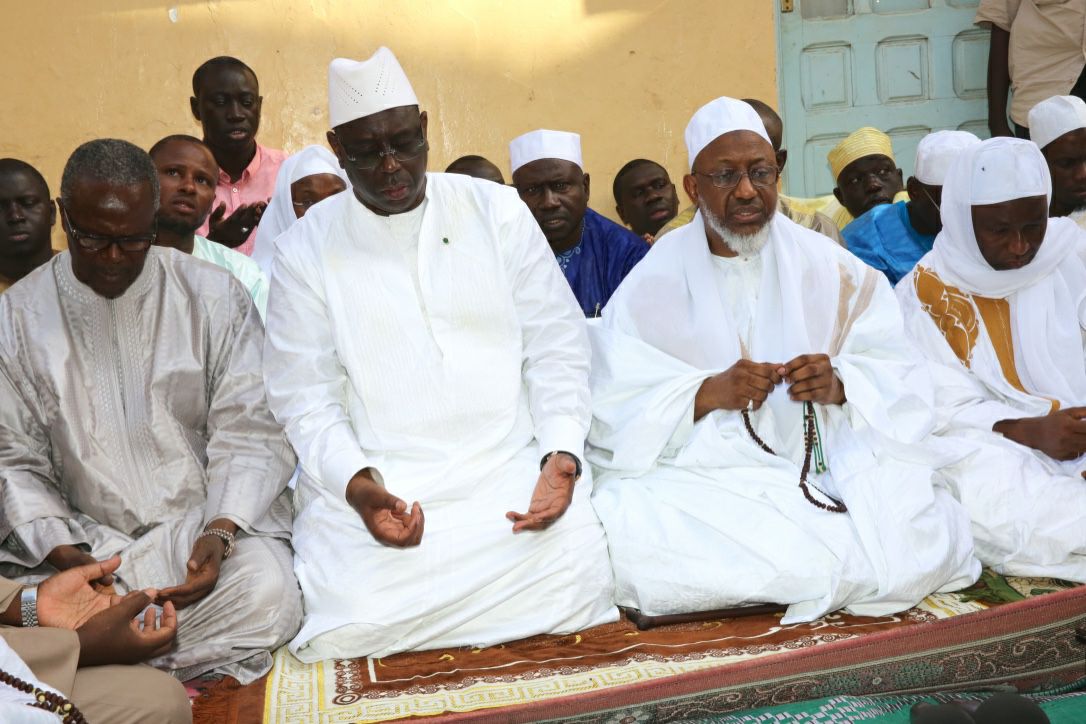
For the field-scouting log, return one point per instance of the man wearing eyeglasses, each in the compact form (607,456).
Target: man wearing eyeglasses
(594,253)
(893,237)
(27,216)
(186,179)
(752,390)
(430,365)
(134,422)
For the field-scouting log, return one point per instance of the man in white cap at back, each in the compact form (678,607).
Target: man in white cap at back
(1058,127)
(998,307)
(759,420)
(430,365)
(595,254)
(892,237)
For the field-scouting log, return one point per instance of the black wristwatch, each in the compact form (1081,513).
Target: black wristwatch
(576,461)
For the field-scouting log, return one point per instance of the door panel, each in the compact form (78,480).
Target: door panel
(905,66)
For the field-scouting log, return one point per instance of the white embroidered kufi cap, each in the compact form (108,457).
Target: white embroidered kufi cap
(937,151)
(1051,118)
(357,89)
(536,145)
(718,117)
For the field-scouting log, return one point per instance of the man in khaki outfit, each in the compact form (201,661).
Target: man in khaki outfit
(78,626)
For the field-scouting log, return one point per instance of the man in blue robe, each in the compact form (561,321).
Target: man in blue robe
(893,237)
(595,254)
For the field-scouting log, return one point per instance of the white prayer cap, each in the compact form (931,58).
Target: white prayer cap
(357,89)
(535,145)
(935,153)
(718,117)
(1005,169)
(1050,119)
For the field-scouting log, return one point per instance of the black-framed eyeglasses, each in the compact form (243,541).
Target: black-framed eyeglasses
(370,158)
(760,176)
(97,242)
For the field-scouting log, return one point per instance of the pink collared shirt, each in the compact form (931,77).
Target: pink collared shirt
(257,183)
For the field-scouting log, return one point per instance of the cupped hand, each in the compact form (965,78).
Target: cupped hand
(68,599)
(386,516)
(232,231)
(202,573)
(113,636)
(65,557)
(551,497)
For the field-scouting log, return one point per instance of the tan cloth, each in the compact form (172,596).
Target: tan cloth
(1047,50)
(105,694)
(814,221)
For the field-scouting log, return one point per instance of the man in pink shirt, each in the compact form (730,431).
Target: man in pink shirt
(226,101)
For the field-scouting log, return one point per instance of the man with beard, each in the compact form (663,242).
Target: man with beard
(595,253)
(1058,127)
(759,419)
(790,207)
(645,198)
(27,215)
(186,178)
(226,101)
(423,346)
(865,174)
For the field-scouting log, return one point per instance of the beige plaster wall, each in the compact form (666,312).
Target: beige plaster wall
(626,75)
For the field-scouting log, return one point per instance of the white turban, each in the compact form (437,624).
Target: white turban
(357,89)
(991,172)
(1050,119)
(279,216)
(536,145)
(1046,296)
(718,117)
(936,152)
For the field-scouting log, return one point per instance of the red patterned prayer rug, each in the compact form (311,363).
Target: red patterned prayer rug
(1000,631)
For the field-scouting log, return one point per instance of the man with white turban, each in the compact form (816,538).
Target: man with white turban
(893,237)
(594,253)
(305,179)
(423,346)
(759,420)
(1058,127)
(998,306)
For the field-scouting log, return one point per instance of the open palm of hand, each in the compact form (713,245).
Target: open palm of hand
(552,495)
(67,599)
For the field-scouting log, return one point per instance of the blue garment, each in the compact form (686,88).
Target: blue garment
(598,264)
(885,239)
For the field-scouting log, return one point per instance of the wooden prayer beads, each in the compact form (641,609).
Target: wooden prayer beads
(46,700)
(808,448)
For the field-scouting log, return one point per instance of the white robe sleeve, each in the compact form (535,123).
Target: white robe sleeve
(249,459)
(887,386)
(306,383)
(556,352)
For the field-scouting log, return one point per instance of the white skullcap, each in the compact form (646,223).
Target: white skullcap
(357,89)
(1006,170)
(1051,118)
(535,145)
(718,117)
(936,151)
